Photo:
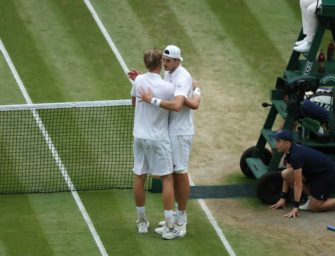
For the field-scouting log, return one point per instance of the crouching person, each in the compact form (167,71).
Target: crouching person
(307,170)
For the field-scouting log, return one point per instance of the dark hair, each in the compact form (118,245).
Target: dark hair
(152,58)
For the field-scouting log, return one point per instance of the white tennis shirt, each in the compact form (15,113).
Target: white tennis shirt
(181,123)
(151,122)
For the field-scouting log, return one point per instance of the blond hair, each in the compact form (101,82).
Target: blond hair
(152,58)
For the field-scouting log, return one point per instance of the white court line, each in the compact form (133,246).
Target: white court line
(54,152)
(214,223)
(125,69)
(107,36)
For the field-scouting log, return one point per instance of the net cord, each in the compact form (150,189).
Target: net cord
(80,104)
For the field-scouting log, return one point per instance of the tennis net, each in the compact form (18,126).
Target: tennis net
(66,146)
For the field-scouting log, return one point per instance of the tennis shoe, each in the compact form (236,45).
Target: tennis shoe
(161,223)
(142,226)
(160,230)
(179,231)
(304,47)
(300,42)
(168,234)
(305,206)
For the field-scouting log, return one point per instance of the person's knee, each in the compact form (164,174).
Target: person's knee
(181,178)
(167,178)
(140,178)
(314,205)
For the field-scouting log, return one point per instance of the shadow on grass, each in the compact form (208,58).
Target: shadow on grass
(242,26)
(162,25)
(20,231)
(37,75)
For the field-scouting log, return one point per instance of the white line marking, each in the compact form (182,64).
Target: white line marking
(107,36)
(15,74)
(214,223)
(54,152)
(125,68)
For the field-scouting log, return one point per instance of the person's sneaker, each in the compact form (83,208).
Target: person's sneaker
(161,223)
(168,234)
(300,42)
(179,231)
(160,230)
(142,226)
(304,47)
(305,206)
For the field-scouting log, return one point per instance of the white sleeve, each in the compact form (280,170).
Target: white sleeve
(183,87)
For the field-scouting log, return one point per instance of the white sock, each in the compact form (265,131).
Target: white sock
(168,214)
(141,213)
(181,217)
(181,212)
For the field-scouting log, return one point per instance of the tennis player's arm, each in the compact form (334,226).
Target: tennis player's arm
(297,184)
(173,105)
(193,102)
(286,185)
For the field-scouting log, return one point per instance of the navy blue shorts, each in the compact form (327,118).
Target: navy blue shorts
(314,111)
(322,185)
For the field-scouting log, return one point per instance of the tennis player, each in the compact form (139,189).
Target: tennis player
(152,149)
(181,128)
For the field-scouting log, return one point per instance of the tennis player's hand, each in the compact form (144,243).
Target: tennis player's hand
(280,204)
(146,95)
(292,214)
(132,74)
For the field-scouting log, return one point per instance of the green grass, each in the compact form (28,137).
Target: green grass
(43,225)
(10,91)
(62,55)
(51,225)
(115,222)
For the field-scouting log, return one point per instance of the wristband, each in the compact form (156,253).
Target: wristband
(284,195)
(197,91)
(155,101)
(296,204)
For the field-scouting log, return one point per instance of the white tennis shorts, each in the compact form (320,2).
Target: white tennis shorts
(181,149)
(152,157)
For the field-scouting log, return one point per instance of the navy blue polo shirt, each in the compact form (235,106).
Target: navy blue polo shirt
(309,160)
